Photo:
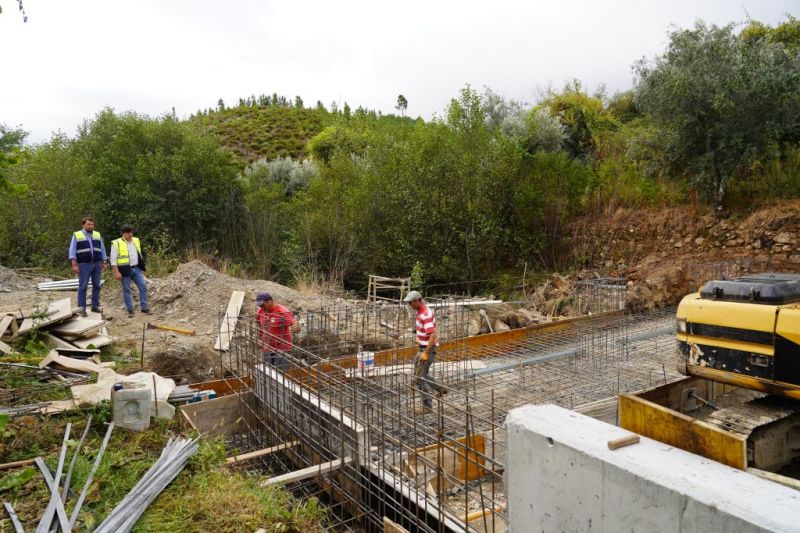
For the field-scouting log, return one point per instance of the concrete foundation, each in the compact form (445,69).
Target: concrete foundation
(561,476)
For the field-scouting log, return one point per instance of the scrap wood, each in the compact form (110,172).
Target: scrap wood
(6,349)
(15,464)
(305,473)
(70,363)
(57,342)
(97,341)
(262,452)
(56,312)
(77,327)
(228,323)
(5,322)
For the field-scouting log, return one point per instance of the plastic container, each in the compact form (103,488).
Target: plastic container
(131,406)
(366,361)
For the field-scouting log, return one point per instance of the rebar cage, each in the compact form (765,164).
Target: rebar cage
(371,456)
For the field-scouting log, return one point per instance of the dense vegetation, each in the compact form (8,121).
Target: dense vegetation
(285,191)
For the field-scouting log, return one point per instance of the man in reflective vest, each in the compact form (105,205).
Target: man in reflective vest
(87,253)
(127,260)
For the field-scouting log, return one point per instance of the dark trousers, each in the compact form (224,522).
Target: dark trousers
(277,359)
(87,271)
(423,381)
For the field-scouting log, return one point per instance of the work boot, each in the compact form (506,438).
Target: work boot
(97,310)
(130,313)
(422,410)
(145,311)
(82,311)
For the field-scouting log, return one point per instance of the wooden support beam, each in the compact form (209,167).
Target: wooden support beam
(262,452)
(311,471)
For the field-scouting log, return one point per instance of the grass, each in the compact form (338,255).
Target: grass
(204,497)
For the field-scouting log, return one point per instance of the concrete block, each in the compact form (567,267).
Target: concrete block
(561,476)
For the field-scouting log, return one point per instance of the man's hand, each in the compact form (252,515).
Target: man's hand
(424,356)
(75,267)
(117,275)
(103,266)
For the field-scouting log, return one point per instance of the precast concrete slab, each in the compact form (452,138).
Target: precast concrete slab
(561,476)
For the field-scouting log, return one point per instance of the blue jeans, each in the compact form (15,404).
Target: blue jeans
(138,278)
(87,271)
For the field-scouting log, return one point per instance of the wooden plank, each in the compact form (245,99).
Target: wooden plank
(56,312)
(76,327)
(776,478)
(305,473)
(5,348)
(5,322)
(462,459)
(98,341)
(390,526)
(670,427)
(262,452)
(220,416)
(69,363)
(56,342)
(228,324)
(223,386)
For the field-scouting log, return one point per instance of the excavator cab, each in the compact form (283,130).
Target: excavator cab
(743,331)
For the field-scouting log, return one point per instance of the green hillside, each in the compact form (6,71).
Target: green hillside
(269,131)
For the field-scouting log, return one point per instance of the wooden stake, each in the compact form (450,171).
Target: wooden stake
(623,441)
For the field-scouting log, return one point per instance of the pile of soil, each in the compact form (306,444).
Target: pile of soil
(11,281)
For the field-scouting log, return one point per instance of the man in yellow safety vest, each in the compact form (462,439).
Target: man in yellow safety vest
(127,259)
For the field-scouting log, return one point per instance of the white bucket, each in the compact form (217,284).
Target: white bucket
(366,361)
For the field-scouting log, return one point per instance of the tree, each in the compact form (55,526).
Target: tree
(722,101)
(298,102)
(402,104)
(220,105)
(10,155)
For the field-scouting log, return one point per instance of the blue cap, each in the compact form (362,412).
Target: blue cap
(263,297)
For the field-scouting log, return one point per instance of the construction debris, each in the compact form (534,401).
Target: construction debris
(63,285)
(228,323)
(169,465)
(59,324)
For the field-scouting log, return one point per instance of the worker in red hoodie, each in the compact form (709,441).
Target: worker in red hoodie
(275,326)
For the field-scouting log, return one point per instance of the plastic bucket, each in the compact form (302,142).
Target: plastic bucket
(366,360)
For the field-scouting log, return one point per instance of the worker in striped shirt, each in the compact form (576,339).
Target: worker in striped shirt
(428,340)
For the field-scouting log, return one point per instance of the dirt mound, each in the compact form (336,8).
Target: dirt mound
(186,364)
(11,281)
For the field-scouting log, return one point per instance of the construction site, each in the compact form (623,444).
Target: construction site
(531,413)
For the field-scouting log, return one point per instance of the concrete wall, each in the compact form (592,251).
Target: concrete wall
(561,476)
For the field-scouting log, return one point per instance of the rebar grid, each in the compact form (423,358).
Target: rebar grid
(601,295)
(429,471)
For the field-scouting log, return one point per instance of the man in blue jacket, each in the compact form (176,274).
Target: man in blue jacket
(87,253)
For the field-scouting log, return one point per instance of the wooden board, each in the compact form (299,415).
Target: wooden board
(305,473)
(220,416)
(261,453)
(390,526)
(228,324)
(76,327)
(5,348)
(55,342)
(98,341)
(462,459)
(5,322)
(670,427)
(56,312)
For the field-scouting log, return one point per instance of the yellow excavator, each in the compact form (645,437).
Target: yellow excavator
(744,332)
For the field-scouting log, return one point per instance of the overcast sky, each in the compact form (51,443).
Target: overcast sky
(72,58)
